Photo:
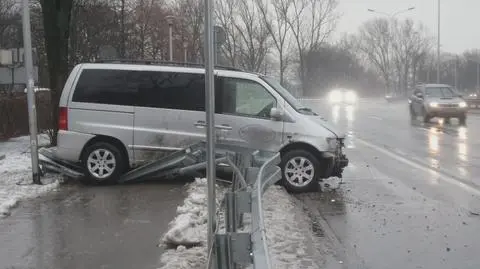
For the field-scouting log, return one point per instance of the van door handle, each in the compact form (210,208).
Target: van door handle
(203,124)
(200,124)
(223,127)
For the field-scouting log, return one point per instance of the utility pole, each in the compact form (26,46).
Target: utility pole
(456,73)
(478,76)
(32,110)
(209,56)
(170,20)
(438,43)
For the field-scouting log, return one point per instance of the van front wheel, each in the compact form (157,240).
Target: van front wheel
(103,163)
(299,171)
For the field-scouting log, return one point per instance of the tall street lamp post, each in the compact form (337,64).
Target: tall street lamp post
(170,20)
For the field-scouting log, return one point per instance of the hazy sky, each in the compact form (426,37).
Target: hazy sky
(459,19)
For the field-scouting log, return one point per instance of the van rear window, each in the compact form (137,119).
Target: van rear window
(171,90)
(105,87)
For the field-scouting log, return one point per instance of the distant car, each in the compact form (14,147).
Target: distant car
(342,96)
(473,99)
(437,100)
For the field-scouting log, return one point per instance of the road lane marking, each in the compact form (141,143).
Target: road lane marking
(441,174)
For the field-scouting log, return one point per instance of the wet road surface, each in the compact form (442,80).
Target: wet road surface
(90,227)
(411,195)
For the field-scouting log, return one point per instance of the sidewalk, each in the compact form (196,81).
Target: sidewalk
(15,174)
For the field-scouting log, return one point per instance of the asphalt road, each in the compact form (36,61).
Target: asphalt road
(90,227)
(410,199)
(411,195)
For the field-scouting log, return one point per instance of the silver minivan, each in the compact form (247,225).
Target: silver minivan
(116,116)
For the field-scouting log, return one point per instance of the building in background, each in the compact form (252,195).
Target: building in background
(12,70)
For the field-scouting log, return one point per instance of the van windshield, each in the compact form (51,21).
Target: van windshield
(284,93)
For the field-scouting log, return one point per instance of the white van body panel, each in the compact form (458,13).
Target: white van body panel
(149,133)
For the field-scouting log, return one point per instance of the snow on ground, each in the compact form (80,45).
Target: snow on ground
(288,229)
(15,173)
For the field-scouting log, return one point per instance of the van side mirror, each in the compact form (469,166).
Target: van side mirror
(276,114)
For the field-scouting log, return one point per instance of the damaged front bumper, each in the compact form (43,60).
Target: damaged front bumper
(336,161)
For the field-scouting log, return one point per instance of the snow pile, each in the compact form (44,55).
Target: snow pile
(288,231)
(15,173)
(187,234)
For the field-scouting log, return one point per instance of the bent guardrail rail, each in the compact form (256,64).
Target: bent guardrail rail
(236,247)
(268,175)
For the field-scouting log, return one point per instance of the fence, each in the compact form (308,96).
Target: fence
(14,113)
(254,174)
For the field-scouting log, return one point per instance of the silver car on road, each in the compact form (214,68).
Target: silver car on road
(116,116)
(437,100)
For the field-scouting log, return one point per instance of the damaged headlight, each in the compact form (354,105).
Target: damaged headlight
(332,143)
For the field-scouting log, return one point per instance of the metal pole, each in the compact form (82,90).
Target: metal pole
(185,52)
(438,45)
(478,76)
(170,44)
(210,119)
(455,75)
(32,114)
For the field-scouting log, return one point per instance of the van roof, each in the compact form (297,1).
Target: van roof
(162,66)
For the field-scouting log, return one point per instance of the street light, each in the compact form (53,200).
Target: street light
(438,43)
(170,21)
(391,15)
(185,46)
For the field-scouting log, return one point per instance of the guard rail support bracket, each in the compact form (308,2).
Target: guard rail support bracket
(238,248)
(237,203)
(251,175)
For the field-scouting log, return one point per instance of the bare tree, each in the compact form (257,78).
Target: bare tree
(190,26)
(254,37)
(374,41)
(225,15)
(311,23)
(278,28)
(10,24)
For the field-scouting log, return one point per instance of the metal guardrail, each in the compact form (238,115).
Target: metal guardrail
(234,248)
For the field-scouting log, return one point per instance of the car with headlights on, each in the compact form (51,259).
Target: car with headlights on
(437,100)
(473,99)
(342,96)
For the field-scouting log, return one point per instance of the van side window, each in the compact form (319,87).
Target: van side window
(104,86)
(171,90)
(246,97)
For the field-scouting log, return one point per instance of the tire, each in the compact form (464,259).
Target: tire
(462,119)
(426,117)
(296,177)
(412,114)
(106,157)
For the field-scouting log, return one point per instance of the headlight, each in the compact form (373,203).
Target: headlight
(433,104)
(332,143)
(335,96)
(462,104)
(350,96)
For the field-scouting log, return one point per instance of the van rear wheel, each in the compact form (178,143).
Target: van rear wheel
(103,163)
(299,171)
